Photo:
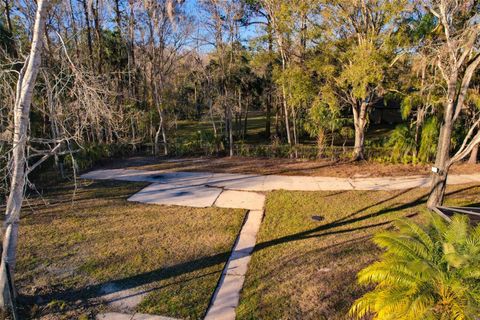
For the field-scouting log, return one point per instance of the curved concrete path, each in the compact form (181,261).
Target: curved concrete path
(203,189)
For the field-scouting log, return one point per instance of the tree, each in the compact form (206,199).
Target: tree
(223,24)
(279,16)
(23,100)
(457,58)
(361,32)
(426,272)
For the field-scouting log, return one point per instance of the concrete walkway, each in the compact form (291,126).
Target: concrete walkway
(227,295)
(194,190)
(135,316)
(203,189)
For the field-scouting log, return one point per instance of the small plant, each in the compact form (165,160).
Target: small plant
(426,272)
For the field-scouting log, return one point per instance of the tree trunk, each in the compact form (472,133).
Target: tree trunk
(360,122)
(118,17)
(474,155)
(268,117)
(25,86)
(164,135)
(442,163)
(230,133)
(161,131)
(320,143)
(74,29)
(89,32)
(285,106)
(245,121)
(157,141)
(269,73)
(359,148)
(238,117)
(7,16)
(95,6)
(132,85)
(214,127)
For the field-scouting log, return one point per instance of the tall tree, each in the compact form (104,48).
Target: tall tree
(457,57)
(24,94)
(362,33)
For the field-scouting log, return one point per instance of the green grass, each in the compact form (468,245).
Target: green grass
(69,249)
(188,129)
(306,269)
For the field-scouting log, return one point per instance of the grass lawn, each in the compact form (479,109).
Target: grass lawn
(187,129)
(68,250)
(304,268)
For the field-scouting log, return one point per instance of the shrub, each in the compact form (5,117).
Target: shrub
(426,272)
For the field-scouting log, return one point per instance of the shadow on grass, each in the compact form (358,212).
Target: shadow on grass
(135,281)
(95,291)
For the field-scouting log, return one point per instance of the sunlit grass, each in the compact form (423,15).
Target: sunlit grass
(303,268)
(68,250)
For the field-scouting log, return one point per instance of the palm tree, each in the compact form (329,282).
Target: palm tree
(426,272)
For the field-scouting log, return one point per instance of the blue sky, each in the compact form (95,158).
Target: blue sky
(192,8)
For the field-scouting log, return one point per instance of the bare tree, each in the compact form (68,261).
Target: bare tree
(274,9)
(23,100)
(457,58)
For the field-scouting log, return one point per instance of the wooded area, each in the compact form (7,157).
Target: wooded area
(81,80)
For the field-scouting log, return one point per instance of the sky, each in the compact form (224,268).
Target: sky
(192,8)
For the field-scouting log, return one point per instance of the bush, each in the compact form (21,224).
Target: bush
(90,154)
(201,143)
(426,272)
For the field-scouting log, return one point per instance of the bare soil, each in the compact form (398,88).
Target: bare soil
(284,166)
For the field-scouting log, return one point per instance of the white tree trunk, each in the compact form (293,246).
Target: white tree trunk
(25,86)
(474,155)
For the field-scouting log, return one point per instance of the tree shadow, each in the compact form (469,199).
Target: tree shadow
(136,281)
(375,204)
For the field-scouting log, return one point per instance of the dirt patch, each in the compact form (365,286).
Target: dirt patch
(284,167)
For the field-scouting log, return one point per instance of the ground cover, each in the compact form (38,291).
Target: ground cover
(312,244)
(284,166)
(189,129)
(69,250)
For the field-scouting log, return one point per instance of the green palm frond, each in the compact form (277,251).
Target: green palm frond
(458,230)
(387,273)
(402,245)
(426,272)
(408,227)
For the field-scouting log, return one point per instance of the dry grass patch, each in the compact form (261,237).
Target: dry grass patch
(68,250)
(312,244)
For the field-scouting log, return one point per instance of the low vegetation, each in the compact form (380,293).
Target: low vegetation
(74,242)
(426,272)
(312,244)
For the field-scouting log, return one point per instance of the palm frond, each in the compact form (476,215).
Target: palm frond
(426,272)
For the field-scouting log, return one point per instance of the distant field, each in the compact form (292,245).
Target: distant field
(256,130)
